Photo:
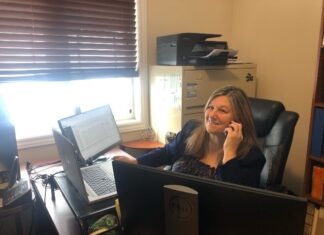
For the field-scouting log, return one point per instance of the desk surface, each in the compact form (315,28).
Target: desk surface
(142,144)
(59,211)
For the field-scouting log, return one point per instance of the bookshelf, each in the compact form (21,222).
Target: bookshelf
(317,104)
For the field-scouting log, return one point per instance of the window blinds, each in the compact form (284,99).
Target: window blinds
(67,39)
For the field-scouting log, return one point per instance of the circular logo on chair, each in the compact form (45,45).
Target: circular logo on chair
(180,207)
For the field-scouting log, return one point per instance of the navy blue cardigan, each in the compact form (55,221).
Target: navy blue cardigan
(245,171)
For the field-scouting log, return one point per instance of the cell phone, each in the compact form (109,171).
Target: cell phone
(225,131)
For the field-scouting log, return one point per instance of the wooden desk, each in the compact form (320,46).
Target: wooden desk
(58,211)
(139,147)
(142,144)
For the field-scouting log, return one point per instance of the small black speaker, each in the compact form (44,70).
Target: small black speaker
(8,144)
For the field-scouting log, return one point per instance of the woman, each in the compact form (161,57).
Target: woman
(223,147)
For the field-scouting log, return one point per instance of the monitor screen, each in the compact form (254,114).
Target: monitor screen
(223,208)
(93,132)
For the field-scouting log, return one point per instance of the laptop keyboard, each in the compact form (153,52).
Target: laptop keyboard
(100,181)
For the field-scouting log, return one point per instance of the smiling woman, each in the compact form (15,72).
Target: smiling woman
(202,149)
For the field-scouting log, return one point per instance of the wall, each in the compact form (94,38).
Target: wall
(281,37)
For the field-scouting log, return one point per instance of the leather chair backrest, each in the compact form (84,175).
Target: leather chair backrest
(275,129)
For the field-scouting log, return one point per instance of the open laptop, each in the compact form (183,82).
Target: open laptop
(93,133)
(86,137)
(78,175)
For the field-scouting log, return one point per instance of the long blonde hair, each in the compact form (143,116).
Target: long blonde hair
(197,142)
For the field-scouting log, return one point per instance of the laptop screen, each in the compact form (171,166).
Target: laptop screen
(94,132)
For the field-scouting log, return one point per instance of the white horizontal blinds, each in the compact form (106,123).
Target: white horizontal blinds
(67,39)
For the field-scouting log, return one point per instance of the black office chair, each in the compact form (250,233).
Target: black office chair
(275,129)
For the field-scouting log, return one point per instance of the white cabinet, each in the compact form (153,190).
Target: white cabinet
(179,93)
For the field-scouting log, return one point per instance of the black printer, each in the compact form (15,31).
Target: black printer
(192,49)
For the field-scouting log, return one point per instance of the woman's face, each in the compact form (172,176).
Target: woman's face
(218,115)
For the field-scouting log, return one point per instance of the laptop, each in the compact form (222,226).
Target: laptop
(85,138)
(93,133)
(78,176)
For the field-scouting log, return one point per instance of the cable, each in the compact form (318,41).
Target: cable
(35,175)
(46,179)
(49,180)
(31,168)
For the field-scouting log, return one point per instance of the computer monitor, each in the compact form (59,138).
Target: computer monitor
(223,208)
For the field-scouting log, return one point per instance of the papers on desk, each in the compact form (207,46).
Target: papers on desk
(217,52)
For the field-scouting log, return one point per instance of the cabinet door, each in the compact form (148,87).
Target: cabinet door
(179,93)
(165,100)
(199,84)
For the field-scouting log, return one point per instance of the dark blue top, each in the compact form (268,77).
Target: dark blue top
(244,171)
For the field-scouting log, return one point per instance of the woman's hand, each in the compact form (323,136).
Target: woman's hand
(234,137)
(128,159)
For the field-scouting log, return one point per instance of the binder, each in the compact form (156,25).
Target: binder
(317,148)
(318,182)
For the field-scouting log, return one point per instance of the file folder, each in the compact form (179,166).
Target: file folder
(318,133)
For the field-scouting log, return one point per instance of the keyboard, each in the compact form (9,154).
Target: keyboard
(100,181)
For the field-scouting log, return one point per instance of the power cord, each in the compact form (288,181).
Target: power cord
(30,168)
(46,179)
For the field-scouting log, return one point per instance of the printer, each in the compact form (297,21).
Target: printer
(192,49)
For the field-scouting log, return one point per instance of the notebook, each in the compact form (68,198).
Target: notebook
(88,135)
(77,175)
(93,133)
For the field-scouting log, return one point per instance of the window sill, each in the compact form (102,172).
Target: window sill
(128,132)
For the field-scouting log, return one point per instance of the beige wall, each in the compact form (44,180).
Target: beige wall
(281,37)
(38,155)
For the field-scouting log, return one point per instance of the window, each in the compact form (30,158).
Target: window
(59,55)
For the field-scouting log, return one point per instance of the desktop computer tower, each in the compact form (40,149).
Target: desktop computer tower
(179,93)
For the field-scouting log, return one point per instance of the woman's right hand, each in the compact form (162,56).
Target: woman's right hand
(234,137)
(128,159)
